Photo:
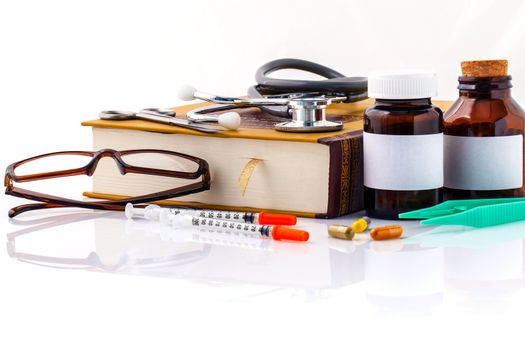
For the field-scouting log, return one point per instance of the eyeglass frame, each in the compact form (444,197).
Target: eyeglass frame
(50,201)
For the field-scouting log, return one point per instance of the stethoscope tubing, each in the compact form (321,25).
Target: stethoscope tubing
(335,84)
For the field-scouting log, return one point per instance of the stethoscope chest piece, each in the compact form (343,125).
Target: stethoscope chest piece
(309,115)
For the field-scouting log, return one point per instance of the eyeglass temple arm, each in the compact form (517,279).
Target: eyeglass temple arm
(47,201)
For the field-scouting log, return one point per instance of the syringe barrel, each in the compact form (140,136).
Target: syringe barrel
(262,218)
(218,214)
(225,225)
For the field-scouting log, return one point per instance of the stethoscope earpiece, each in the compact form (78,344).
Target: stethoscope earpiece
(229,120)
(186,93)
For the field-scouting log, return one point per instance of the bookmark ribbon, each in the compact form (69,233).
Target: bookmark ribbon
(246,174)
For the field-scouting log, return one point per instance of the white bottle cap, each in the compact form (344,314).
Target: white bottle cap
(402,84)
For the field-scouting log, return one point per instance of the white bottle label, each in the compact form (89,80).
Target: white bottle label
(403,162)
(483,163)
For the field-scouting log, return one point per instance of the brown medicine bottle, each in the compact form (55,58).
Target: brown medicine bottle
(402,144)
(483,135)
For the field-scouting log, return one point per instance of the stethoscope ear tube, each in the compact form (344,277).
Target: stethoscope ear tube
(278,111)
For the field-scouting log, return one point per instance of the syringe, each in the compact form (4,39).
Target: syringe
(245,229)
(155,212)
(197,235)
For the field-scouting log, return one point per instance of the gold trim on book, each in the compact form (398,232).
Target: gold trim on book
(345,177)
(204,206)
(246,133)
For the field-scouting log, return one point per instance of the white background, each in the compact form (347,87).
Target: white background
(64,61)
(61,62)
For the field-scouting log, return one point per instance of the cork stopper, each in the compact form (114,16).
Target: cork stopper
(483,69)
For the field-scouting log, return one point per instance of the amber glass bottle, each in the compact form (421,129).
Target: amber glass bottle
(403,145)
(483,135)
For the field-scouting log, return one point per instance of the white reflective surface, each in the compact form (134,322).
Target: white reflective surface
(452,277)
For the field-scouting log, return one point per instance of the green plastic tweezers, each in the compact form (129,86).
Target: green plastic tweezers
(471,212)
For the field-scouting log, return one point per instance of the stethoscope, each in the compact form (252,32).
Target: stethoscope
(302,101)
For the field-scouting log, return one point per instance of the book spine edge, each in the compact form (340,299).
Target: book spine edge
(345,180)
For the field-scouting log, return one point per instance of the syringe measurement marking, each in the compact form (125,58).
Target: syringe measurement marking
(263,230)
(215,214)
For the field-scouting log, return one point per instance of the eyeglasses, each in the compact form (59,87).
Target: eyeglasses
(130,161)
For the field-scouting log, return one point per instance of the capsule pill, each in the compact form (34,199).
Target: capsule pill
(386,232)
(361,224)
(341,232)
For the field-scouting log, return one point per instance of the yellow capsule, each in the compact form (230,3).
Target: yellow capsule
(386,232)
(361,224)
(342,232)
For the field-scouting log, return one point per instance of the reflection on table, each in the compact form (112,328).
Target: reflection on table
(411,275)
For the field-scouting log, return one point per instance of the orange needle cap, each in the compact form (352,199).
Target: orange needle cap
(276,219)
(289,234)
